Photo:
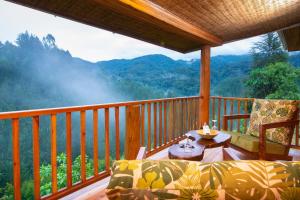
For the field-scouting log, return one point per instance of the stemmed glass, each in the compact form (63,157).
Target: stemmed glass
(214,126)
(187,145)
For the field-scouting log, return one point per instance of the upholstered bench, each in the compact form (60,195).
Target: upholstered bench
(177,179)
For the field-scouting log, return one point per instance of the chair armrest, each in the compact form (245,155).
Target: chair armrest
(262,133)
(231,117)
(141,154)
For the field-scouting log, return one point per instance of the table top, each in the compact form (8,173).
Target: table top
(200,144)
(222,139)
(176,151)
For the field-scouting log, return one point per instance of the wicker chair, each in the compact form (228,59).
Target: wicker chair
(270,131)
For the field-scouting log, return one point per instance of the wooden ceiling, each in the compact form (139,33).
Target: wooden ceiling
(181,25)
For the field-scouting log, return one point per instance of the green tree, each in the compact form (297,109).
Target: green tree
(267,51)
(275,81)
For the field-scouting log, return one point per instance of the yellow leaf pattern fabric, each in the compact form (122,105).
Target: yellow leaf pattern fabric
(175,179)
(268,111)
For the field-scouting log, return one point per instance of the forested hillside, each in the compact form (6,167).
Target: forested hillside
(168,77)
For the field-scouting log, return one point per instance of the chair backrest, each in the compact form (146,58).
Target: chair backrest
(269,111)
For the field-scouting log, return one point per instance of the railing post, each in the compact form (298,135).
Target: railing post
(204,86)
(132,137)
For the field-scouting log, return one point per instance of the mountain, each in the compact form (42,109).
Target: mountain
(175,77)
(168,77)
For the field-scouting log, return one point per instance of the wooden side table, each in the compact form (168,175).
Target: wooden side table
(176,151)
(221,140)
(200,144)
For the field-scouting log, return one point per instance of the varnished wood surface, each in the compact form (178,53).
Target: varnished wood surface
(132,136)
(176,151)
(183,26)
(204,86)
(182,115)
(16,159)
(222,139)
(36,156)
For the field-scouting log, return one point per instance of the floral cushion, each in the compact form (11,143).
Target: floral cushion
(178,179)
(268,111)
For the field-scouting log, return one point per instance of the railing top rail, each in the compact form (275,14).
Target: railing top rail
(51,111)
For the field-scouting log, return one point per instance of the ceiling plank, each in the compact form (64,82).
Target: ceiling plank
(152,13)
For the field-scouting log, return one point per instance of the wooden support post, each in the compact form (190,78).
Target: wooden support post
(132,137)
(204,86)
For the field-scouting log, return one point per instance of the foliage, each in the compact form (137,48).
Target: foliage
(275,81)
(6,193)
(268,50)
(45,172)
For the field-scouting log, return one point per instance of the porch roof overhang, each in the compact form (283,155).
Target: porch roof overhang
(183,26)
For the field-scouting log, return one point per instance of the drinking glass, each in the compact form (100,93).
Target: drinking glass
(214,124)
(187,144)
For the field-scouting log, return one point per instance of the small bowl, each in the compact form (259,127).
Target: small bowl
(213,133)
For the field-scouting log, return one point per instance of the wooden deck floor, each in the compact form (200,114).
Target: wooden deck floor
(96,190)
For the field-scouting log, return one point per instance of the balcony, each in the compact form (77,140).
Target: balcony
(83,141)
(109,132)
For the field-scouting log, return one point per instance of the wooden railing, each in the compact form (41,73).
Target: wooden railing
(219,106)
(163,122)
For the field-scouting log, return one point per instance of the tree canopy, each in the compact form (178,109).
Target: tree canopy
(267,51)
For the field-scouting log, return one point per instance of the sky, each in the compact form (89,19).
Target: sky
(89,43)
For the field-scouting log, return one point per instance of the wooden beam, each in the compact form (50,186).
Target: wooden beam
(145,10)
(204,86)
(290,38)
(132,137)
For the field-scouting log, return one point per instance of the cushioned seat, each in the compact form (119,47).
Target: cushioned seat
(181,179)
(251,143)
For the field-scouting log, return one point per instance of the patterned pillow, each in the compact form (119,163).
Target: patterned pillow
(268,111)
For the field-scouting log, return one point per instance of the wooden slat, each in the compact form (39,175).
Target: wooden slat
(184,115)
(149,127)
(160,124)
(196,113)
(69,148)
(231,112)
(165,122)
(170,121)
(16,159)
(224,110)
(180,105)
(239,111)
(174,120)
(155,125)
(83,144)
(117,125)
(107,150)
(297,135)
(189,116)
(245,112)
(36,156)
(213,108)
(95,141)
(192,112)
(53,153)
(143,125)
(219,113)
